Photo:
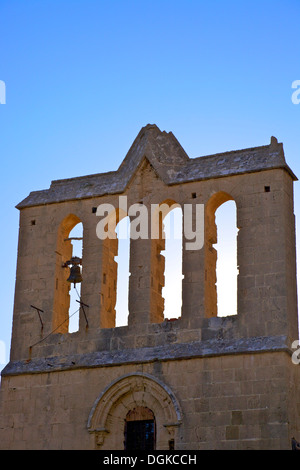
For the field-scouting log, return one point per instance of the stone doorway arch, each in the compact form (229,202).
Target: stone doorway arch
(106,421)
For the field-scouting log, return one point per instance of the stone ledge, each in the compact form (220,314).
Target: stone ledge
(197,349)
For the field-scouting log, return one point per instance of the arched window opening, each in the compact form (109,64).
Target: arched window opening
(115,267)
(221,269)
(226,270)
(140,430)
(172,290)
(75,237)
(122,282)
(65,250)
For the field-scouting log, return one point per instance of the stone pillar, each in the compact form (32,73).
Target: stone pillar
(193,270)
(140,281)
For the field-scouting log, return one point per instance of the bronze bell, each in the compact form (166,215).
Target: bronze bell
(75,272)
(75,275)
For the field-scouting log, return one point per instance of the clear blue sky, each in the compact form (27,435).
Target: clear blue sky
(82,78)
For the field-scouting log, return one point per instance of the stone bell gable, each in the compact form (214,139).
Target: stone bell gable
(200,381)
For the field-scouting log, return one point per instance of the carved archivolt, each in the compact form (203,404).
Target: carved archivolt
(107,417)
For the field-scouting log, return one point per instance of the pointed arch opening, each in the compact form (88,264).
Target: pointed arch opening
(115,268)
(65,250)
(139,397)
(76,237)
(123,274)
(226,268)
(172,290)
(166,279)
(221,268)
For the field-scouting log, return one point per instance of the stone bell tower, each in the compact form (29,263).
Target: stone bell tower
(200,381)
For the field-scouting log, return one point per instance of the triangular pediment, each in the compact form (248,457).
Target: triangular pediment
(161,149)
(170,163)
